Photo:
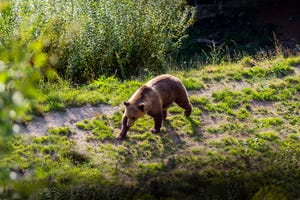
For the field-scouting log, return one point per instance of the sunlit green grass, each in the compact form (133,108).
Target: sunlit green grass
(237,143)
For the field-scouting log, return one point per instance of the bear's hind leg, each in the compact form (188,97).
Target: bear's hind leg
(185,104)
(188,111)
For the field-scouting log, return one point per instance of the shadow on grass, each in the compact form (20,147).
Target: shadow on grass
(172,134)
(197,134)
(190,185)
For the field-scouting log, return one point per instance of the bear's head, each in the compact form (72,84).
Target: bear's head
(133,112)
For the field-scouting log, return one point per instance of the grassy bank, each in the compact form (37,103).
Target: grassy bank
(241,141)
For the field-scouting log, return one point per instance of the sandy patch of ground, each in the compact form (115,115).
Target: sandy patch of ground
(41,125)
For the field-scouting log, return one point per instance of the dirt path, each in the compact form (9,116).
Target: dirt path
(230,85)
(41,125)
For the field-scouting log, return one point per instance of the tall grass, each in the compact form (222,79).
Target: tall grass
(86,39)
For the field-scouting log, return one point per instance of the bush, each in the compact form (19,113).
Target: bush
(16,81)
(86,39)
(16,78)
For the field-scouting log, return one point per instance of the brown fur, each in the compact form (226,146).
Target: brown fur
(153,99)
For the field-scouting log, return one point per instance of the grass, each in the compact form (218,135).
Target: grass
(241,141)
(100,128)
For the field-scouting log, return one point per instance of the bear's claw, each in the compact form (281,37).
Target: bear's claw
(120,137)
(154,130)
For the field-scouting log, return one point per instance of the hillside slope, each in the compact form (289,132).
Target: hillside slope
(241,141)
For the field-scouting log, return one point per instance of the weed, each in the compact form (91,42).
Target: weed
(215,130)
(257,144)
(76,158)
(62,131)
(247,62)
(243,114)
(100,129)
(201,101)
(84,125)
(231,99)
(150,168)
(282,70)
(294,137)
(271,136)
(218,77)
(207,79)
(267,122)
(192,84)
(265,94)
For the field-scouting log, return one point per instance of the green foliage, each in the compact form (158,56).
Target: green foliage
(271,136)
(216,54)
(282,70)
(16,76)
(294,61)
(247,61)
(243,114)
(266,94)
(104,90)
(258,144)
(199,100)
(99,127)
(150,168)
(232,99)
(294,137)
(62,131)
(114,90)
(192,83)
(45,158)
(86,39)
(268,192)
(266,122)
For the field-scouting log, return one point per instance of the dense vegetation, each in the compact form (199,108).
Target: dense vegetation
(16,79)
(85,39)
(241,141)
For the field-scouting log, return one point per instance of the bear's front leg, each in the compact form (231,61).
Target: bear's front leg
(122,134)
(157,123)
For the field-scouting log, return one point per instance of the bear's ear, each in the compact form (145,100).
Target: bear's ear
(141,107)
(126,103)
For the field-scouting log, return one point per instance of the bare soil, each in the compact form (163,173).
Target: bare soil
(41,125)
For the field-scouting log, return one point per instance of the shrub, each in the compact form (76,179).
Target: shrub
(16,78)
(89,38)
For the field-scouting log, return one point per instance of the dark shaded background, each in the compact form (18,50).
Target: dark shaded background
(247,26)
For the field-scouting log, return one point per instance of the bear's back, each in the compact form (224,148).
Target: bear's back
(168,87)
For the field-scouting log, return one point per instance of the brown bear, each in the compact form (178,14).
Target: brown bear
(153,99)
